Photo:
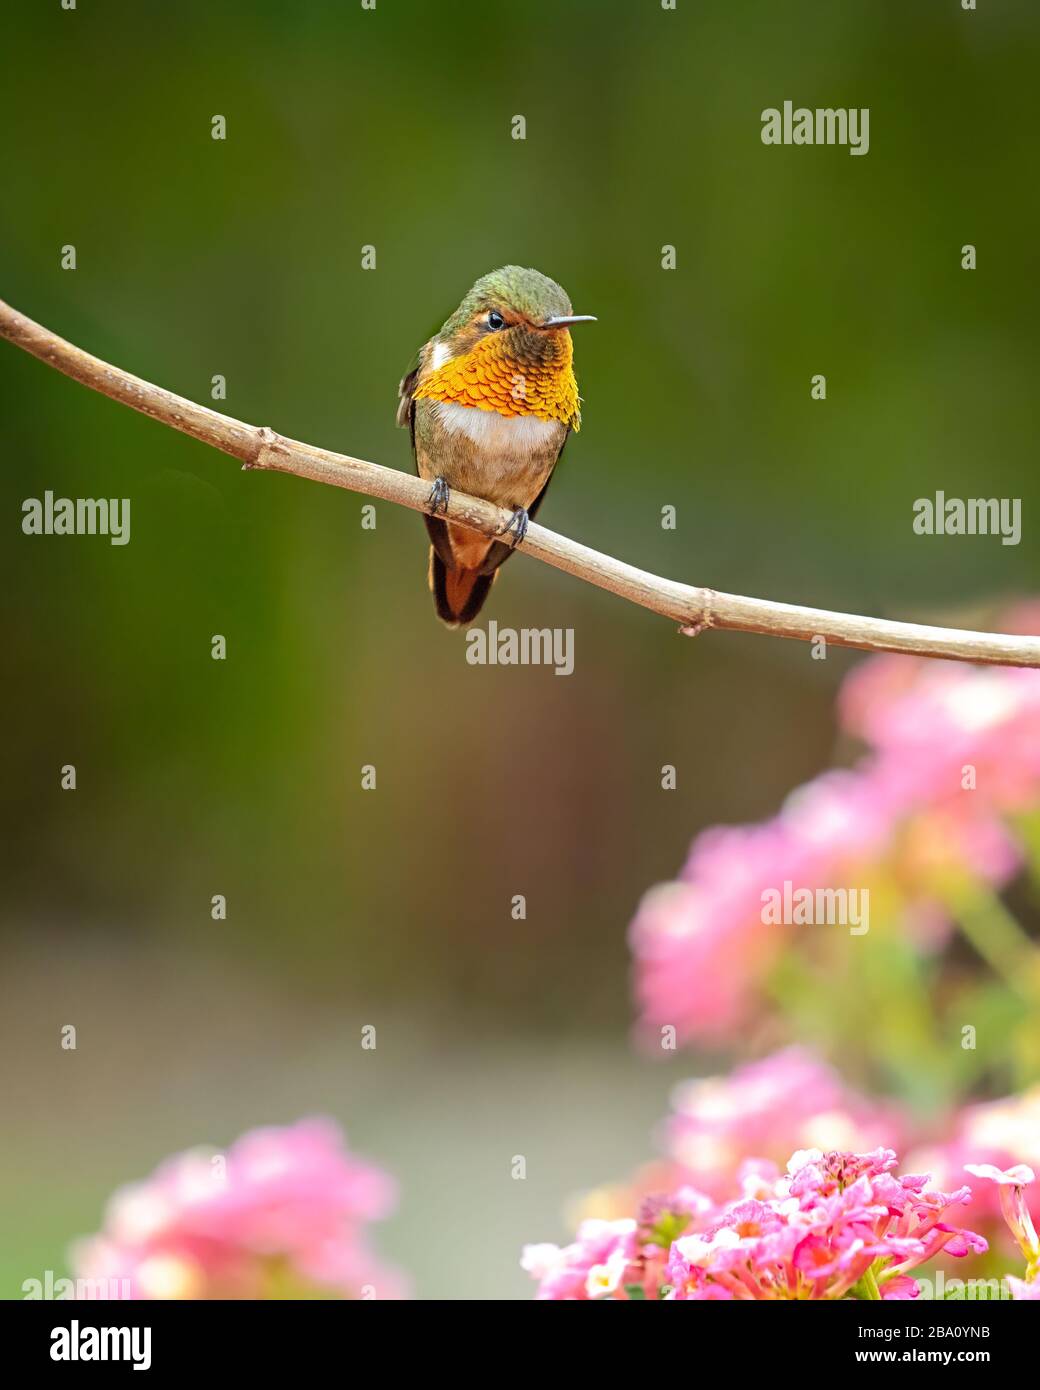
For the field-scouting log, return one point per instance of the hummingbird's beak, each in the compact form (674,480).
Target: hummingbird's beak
(565,320)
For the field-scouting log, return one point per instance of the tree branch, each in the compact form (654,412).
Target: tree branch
(694,609)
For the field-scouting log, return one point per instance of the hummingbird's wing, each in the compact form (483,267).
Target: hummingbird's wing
(406,403)
(437,529)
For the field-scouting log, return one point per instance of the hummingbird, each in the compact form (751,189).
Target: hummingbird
(489,406)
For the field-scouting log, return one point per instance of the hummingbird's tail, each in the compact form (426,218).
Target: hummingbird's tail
(458,593)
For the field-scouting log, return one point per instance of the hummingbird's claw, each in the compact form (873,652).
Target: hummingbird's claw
(517,523)
(439,496)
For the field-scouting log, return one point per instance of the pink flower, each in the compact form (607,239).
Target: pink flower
(839,1225)
(689,962)
(901,1286)
(282,1214)
(1018,1176)
(1010,1183)
(617,1260)
(593,1266)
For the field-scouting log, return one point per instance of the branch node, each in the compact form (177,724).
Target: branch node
(704,619)
(266,444)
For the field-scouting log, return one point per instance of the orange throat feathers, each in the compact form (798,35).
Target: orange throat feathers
(489,378)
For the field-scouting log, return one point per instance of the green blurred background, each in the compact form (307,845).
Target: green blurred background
(196,777)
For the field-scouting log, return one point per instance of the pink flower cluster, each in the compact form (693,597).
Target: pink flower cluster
(701,950)
(790,1100)
(834,1226)
(727,1141)
(281,1215)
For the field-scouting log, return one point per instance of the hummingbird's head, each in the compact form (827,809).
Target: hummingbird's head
(523,304)
(507,347)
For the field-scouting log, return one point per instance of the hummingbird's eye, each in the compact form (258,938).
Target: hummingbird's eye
(495,320)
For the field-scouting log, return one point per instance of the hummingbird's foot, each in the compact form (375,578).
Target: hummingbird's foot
(440,494)
(517,523)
